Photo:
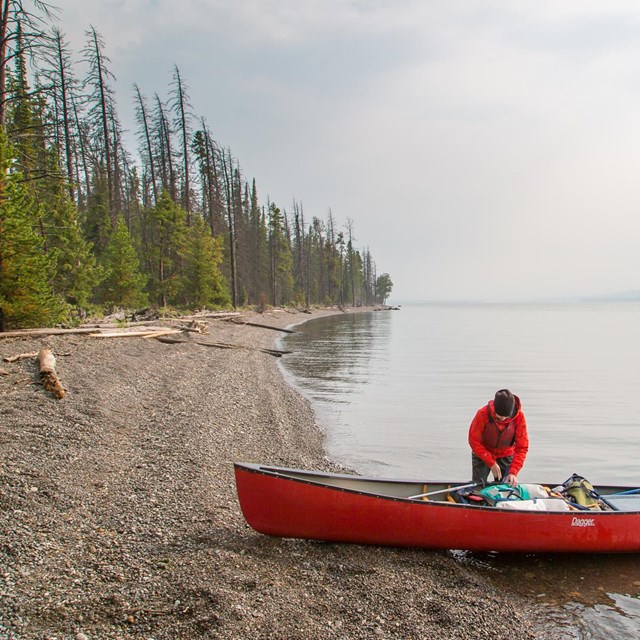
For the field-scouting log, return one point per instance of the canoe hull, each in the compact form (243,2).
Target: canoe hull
(278,504)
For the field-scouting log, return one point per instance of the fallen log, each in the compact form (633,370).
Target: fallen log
(218,314)
(25,333)
(22,333)
(20,356)
(194,326)
(157,334)
(48,374)
(223,345)
(134,334)
(257,324)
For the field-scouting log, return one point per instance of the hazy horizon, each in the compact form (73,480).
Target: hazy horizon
(485,150)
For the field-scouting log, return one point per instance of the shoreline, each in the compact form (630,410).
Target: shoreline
(118,514)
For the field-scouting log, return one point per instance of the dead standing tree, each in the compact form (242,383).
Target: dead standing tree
(164,149)
(64,91)
(144,133)
(102,109)
(182,109)
(19,25)
(227,173)
(206,152)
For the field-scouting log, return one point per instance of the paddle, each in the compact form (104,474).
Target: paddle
(623,493)
(434,493)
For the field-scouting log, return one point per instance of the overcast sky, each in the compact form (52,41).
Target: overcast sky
(485,150)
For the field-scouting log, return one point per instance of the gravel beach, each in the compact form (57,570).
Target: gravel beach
(119,519)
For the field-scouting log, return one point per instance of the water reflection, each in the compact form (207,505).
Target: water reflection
(333,356)
(595,597)
(341,364)
(395,392)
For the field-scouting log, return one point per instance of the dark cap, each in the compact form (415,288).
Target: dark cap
(504,403)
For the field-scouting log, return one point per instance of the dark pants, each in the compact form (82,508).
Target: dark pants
(481,471)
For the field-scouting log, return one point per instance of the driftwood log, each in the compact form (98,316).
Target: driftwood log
(48,374)
(20,356)
(257,324)
(220,314)
(24,333)
(150,333)
(222,345)
(101,330)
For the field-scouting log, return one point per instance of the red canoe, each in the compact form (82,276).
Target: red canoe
(293,503)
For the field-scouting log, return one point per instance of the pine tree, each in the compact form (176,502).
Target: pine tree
(77,271)
(164,148)
(63,91)
(101,115)
(281,259)
(383,287)
(206,153)
(258,250)
(123,284)
(95,219)
(204,285)
(26,271)
(20,28)
(164,250)
(38,159)
(146,148)
(181,108)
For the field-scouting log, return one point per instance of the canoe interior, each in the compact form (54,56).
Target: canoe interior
(409,488)
(389,488)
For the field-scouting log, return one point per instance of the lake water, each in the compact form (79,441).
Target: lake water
(395,392)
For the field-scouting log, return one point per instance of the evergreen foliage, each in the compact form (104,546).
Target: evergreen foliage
(27,298)
(204,285)
(123,283)
(77,272)
(81,223)
(165,246)
(383,287)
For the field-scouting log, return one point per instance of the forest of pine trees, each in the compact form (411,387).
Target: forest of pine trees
(87,225)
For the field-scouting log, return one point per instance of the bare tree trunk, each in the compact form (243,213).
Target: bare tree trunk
(65,112)
(350,248)
(147,138)
(105,125)
(232,235)
(214,189)
(83,155)
(298,234)
(117,196)
(164,131)
(182,116)
(208,178)
(4,47)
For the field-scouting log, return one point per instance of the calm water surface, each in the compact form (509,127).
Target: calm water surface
(395,392)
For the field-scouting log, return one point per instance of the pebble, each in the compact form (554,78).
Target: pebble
(136,530)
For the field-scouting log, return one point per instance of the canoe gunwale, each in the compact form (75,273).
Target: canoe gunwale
(294,475)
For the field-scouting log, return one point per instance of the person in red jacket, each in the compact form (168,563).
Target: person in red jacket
(498,439)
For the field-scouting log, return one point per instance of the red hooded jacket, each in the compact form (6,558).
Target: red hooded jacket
(481,443)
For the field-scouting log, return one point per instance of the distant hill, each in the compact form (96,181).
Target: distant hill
(633,295)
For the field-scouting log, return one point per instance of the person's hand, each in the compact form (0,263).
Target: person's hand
(496,471)
(511,480)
